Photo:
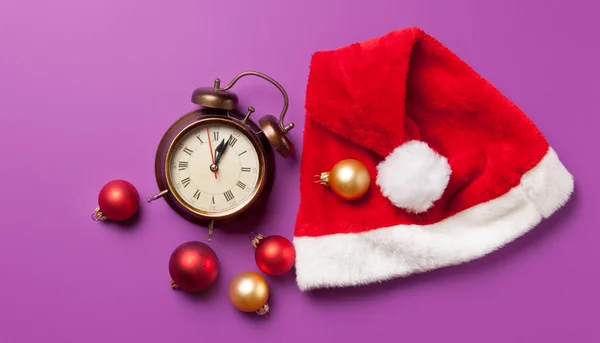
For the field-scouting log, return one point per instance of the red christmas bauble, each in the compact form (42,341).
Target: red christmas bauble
(193,266)
(275,255)
(118,200)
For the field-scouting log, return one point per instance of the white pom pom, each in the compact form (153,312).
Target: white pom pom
(413,176)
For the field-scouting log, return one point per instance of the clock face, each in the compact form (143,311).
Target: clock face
(214,168)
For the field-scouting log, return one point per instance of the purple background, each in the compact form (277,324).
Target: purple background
(87,88)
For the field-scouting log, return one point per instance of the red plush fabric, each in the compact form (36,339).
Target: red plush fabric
(365,99)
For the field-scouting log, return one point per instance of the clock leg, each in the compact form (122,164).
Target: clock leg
(211,225)
(158,196)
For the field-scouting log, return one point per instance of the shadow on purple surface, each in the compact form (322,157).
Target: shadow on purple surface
(202,297)
(513,250)
(289,278)
(130,224)
(255,318)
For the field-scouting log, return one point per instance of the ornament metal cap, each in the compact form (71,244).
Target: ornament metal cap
(349,179)
(322,178)
(255,238)
(264,311)
(98,215)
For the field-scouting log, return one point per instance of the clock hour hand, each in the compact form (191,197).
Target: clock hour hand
(220,151)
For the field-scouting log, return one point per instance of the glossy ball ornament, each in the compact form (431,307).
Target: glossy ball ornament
(275,255)
(349,179)
(193,267)
(118,200)
(249,292)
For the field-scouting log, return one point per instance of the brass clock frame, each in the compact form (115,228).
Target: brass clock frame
(262,168)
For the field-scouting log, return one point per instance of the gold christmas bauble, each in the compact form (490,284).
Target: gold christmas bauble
(349,179)
(249,292)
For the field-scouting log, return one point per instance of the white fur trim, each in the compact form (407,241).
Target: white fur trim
(413,176)
(385,253)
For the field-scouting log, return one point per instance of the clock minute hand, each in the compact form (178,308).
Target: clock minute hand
(213,167)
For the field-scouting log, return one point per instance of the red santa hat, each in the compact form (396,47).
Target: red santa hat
(457,169)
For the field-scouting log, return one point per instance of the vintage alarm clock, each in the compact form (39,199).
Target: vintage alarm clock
(215,163)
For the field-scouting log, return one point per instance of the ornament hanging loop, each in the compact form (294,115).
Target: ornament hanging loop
(98,216)
(264,311)
(285,128)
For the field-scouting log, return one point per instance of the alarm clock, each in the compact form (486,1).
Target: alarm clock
(216,164)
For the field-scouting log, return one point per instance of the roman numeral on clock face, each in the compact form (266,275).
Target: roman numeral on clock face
(183,165)
(187,151)
(241,184)
(229,196)
(200,139)
(185,182)
(232,140)
(241,153)
(216,135)
(197,195)
(212,202)
(245,169)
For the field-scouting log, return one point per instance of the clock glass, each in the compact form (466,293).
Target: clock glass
(214,169)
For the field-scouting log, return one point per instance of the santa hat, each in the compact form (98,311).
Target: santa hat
(457,169)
